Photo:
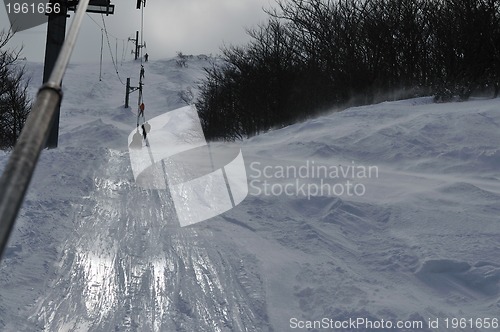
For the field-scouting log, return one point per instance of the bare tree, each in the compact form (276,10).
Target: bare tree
(315,54)
(15,103)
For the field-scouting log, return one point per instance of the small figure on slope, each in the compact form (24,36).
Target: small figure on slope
(141,110)
(146,127)
(144,133)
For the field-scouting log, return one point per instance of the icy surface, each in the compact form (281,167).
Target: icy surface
(93,252)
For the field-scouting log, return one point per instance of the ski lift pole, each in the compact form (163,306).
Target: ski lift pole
(22,162)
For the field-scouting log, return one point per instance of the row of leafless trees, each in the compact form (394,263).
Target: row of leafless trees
(314,54)
(14,101)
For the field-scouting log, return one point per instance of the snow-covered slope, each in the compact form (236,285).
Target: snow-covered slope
(387,211)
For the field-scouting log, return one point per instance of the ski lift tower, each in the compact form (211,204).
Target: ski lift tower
(56,33)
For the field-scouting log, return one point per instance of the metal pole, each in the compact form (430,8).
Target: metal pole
(21,165)
(136,45)
(127,92)
(100,63)
(56,33)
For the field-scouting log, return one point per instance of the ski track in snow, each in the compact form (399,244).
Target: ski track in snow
(128,267)
(92,252)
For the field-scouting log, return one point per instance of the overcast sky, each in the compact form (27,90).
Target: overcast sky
(189,26)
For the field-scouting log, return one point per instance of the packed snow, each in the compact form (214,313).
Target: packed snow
(382,212)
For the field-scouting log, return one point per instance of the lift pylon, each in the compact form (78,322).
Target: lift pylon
(56,34)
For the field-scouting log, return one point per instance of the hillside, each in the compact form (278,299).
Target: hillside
(387,211)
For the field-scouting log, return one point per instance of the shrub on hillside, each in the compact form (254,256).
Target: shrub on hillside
(14,101)
(315,54)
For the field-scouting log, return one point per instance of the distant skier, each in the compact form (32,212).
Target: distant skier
(146,57)
(144,133)
(141,110)
(142,72)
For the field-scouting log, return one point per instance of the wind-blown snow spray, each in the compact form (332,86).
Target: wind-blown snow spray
(203,183)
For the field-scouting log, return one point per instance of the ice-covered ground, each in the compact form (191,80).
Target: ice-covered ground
(389,211)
